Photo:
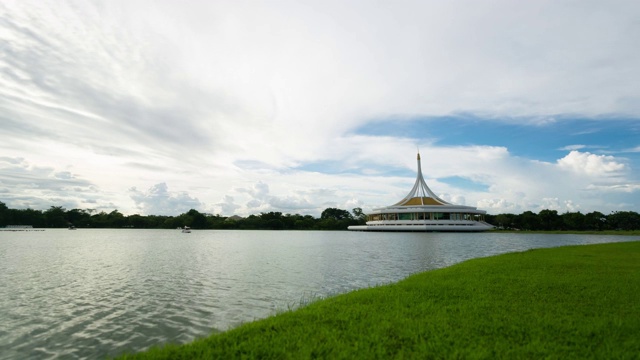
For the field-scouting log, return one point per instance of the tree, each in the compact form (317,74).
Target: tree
(549,219)
(359,214)
(595,221)
(335,214)
(573,221)
(137,221)
(198,220)
(528,221)
(4,214)
(274,224)
(306,222)
(78,217)
(505,221)
(624,220)
(56,217)
(116,219)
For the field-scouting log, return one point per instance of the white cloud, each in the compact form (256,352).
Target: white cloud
(615,187)
(591,164)
(227,206)
(498,206)
(454,199)
(227,101)
(571,207)
(158,200)
(28,185)
(573,147)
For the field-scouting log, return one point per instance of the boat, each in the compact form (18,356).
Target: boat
(422,210)
(186,229)
(72,227)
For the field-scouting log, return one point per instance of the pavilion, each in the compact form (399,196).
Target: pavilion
(422,210)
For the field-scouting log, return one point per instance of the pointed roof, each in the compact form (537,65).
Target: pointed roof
(421,194)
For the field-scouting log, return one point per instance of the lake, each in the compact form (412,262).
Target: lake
(93,293)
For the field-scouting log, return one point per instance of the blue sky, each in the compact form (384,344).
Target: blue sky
(547,141)
(243,107)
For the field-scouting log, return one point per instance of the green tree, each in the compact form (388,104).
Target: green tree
(251,222)
(359,216)
(549,220)
(335,214)
(505,221)
(274,224)
(137,221)
(27,217)
(624,220)
(528,221)
(219,222)
(198,220)
(157,221)
(78,217)
(4,214)
(116,219)
(55,217)
(573,221)
(306,222)
(595,221)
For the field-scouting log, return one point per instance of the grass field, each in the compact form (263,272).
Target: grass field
(586,232)
(562,303)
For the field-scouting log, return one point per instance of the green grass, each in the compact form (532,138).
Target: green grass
(583,232)
(571,302)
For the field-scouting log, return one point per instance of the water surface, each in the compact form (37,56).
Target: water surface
(97,293)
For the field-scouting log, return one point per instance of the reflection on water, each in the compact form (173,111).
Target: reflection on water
(95,293)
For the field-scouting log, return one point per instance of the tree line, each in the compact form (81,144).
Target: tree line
(550,220)
(330,219)
(59,217)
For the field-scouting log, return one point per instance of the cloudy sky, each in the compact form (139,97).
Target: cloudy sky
(242,107)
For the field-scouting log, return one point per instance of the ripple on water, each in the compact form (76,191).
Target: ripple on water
(97,293)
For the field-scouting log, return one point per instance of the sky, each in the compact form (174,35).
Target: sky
(241,107)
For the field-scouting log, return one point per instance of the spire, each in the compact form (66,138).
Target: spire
(420,194)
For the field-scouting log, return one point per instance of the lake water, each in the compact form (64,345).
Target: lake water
(97,293)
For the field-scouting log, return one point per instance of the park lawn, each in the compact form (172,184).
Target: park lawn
(571,302)
(577,232)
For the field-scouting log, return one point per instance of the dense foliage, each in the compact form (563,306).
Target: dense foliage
(550,220)
(59,217)
(330,219)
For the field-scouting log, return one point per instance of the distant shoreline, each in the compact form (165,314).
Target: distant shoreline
(558,232)
(22,230)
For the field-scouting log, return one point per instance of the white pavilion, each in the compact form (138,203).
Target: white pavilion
(422,210)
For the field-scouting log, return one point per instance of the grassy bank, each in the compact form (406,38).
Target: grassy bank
(586,232)
(570,302)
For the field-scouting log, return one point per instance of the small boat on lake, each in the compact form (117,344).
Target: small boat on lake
(186,229)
